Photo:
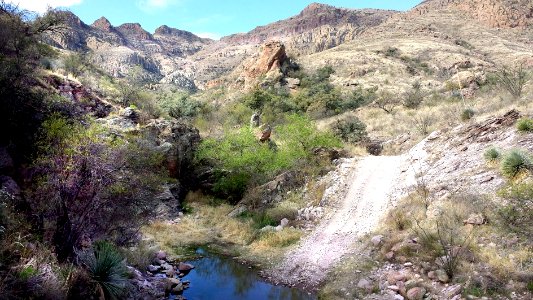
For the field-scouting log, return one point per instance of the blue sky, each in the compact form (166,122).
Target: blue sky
(208,18)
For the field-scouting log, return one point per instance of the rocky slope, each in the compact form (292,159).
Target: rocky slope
(437,34)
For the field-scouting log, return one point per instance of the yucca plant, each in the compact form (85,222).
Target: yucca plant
(525,125)
(515,162)
(107,269)
(492,154)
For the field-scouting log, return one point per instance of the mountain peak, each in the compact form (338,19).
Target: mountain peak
(169,31)
(134,30)
(103,24)
(315,8)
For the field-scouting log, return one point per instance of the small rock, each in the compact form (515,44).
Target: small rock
(389,255)
(237,211)
(394,277)
(284,222)
(408,264)
(365,284)
(398,297)
(442,276)
(432,275)
(183,267)
(161,255)
(394,288)
(268,228)
(451,291)
(153,268)
(416,293)
(178,288)
(475,219)
(377,240)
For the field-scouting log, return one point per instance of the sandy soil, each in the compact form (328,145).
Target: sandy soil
(376,182)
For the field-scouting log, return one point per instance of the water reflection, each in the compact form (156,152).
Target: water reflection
(223,278)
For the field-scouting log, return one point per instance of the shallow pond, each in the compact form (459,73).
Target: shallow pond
(217,277)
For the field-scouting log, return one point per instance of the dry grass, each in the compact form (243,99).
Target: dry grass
(211,225)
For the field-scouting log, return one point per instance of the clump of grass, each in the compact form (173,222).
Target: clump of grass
(525,125)
(492,154)
(514,163)
(467,114)
(278,239)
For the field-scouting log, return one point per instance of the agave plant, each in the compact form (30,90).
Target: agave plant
(515,162)
(107,269)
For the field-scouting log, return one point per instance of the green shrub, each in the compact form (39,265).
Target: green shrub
(106,268)
(513,79)
(517,214)
(241,160)
(492,154)
(351,131)
(467,114)
(525,125)
(514,163)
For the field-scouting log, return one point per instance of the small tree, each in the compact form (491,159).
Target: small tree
(388,102)
(513,79)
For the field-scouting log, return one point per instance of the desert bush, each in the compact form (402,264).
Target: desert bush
(74,64)
(387,102)
(515,162)
(464,44)
(105,266)
(93,185)
(492,154)
(517,214)
(467,114)
(139,256)
(513,79)
(423,123)
(350,131)
(359,97)
(446,239)
(525,125)
(414,97)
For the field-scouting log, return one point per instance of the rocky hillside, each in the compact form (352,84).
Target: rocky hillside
(495,13)
(438,34)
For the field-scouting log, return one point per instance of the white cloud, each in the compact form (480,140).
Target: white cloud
(208,35)
(153,5)
(40,6)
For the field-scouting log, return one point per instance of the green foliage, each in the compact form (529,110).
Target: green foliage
(515,162)
(257,99)
(351,131)
(180,105)
(492,154)
(467,114)
(359,97)
(27,272)
(241,160)
(260,219)
(107,269)
(525,125)
(517,214)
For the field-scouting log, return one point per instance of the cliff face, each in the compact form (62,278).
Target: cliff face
(309,23)
(495,13)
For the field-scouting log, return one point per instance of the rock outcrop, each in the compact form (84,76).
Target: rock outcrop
(495,13)
(268,66)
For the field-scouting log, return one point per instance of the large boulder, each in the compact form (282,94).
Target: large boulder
(177,141)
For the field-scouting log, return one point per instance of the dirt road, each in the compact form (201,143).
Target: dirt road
(375,178)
